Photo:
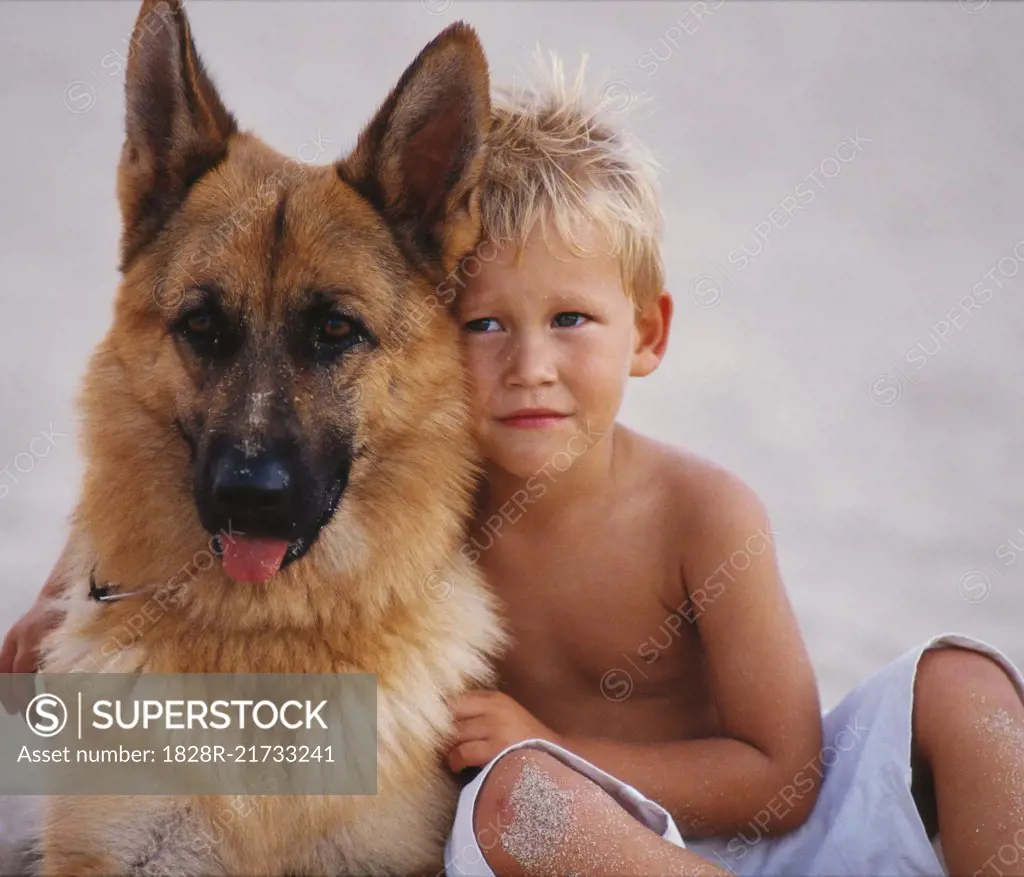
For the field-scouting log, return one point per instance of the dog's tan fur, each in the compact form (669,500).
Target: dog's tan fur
(383,590)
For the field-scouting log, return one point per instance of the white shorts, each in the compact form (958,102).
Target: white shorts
(865,821)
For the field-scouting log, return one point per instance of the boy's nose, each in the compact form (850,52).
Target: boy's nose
(531,362)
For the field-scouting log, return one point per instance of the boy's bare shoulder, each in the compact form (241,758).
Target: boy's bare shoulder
(710,519)
(695,493)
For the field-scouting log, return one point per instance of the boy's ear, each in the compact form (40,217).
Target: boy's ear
(650,335)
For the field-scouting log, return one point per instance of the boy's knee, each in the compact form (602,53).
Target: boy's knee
(525,788)
(495,808)
(955,687)
(945,675)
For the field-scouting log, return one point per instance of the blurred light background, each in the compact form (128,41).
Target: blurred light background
(844,229)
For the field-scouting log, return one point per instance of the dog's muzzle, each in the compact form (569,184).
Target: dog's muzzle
(266,508)
(255,493)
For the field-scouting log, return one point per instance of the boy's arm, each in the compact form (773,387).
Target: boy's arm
(763,772)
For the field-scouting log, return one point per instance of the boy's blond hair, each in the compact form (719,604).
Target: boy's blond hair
(555,160)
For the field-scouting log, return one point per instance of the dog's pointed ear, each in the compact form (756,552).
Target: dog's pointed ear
(420,160)
(176,128)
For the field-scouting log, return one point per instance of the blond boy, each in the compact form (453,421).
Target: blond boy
(657,657)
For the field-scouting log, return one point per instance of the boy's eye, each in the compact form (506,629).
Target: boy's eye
(569,319)
(481,325)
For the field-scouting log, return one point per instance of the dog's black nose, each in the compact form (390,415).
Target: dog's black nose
(255,488)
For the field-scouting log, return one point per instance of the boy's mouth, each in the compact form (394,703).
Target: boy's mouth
(532,418)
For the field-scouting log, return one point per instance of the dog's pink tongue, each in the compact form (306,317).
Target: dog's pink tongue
(253,560)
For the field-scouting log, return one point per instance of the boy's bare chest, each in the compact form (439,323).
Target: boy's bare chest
(599,644)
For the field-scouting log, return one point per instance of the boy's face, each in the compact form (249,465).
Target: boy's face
(555,333)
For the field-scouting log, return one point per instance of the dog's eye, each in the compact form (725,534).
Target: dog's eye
(200,324)
(336,328)
(205,330)
(338,332)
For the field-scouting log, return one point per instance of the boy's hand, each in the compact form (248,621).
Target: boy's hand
(20,651)
(486,722)
(20,654)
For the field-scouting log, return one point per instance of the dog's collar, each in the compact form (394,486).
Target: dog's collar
(102,593)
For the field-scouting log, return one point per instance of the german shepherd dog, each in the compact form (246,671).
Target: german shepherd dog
(282,365)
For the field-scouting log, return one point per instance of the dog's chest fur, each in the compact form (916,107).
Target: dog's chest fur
(278,835)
